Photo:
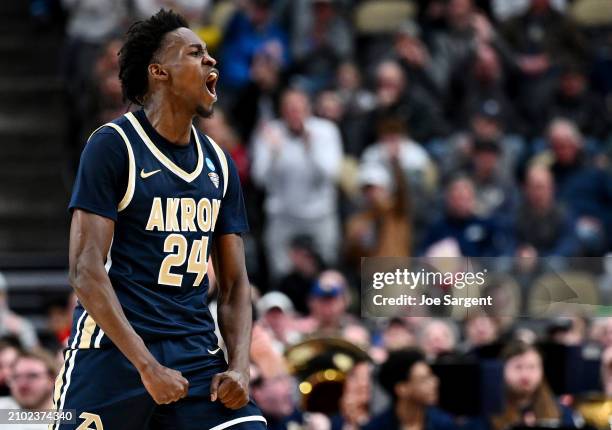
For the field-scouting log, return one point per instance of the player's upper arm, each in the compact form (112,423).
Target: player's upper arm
(102,176)
(90,240)
(232,215)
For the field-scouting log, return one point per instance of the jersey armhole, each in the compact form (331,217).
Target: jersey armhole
(223,160)
(131,183)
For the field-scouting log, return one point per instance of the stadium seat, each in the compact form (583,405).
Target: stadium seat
(592,13)
(382,16)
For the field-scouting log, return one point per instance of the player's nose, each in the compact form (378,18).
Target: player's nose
(207,60)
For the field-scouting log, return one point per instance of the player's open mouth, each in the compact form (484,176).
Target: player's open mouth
(211,83)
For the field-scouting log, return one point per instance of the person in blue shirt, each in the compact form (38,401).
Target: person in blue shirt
(413,388)
(250,31)
(475,236)
(153,198)
(582,186)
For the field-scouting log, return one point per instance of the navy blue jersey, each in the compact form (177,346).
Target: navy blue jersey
(169,202)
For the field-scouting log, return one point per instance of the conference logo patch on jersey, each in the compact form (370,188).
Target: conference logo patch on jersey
(210,164)
(214,178)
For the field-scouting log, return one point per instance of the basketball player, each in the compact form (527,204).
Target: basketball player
(153,199)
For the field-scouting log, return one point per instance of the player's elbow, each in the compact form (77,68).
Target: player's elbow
(80,274)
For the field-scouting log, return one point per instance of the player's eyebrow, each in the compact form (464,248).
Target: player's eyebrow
(198,45)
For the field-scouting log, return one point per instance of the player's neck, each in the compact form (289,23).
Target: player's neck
(171,122)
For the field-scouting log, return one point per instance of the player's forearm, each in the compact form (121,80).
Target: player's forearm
(95,292)
(235,321)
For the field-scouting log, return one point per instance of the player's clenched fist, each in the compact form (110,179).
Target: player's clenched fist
(164,385)
(231,388)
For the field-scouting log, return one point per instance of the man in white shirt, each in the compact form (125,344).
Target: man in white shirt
(296,159)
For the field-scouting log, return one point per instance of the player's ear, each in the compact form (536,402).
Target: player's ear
(158,72)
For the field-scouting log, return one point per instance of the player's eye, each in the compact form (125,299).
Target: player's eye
(197,53)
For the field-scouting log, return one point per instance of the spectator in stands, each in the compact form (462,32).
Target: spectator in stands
(574,100)
(486,124)
(218,128)
(541,38)
(59,319)
(431,17)
(419,172)
(274,396)
(529,401)
(602,332)
(490,122)
(105,99)
(250,31)
(356,398)
(90,24)
(32,384)
(496,194)
(357,335)
(394,97)
(297,160)
(12,324)
(8,355)
(475,236)
(306,266)
(258,102)
(465,30)
(357,102)
(413,388)
(397,334)
(480,80)
(583,188)
(355,98)
(382,228)
(414,57)
(266,354)
(480,330)
(541,223)
(328,304)
(275,312)
(438,337)
(320,40)
(568,330)
(328,105)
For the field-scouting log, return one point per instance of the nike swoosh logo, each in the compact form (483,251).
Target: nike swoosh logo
(145,175)
(213,352)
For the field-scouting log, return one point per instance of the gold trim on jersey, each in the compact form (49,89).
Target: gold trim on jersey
(59,380)
(61,388)
(129,192)
(88,331)
(223,161)
(188,177)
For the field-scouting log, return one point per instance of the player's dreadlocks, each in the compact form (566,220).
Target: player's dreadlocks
(143,40)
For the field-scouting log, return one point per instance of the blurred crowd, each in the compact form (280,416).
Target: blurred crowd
(369,128)
(364,128)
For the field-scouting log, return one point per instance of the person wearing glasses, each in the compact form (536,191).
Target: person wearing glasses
(31,384)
